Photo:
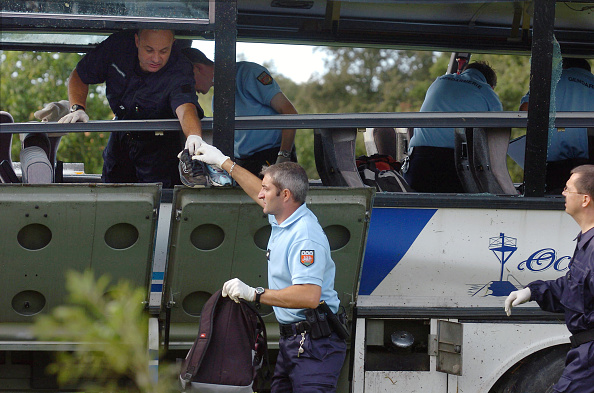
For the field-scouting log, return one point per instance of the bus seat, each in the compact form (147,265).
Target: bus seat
(463,163)
(385,140)
(388,141)
(488,159)
(368,140)
(334,151)
(5,139)
(51,229)
(207,248)
(54,141)
(36,167)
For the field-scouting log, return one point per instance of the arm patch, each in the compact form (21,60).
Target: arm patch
(265,78)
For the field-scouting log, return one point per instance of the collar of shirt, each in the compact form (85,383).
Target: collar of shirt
(475,74)
(584,238)
(297,214)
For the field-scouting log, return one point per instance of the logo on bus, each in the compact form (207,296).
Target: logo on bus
(503,247)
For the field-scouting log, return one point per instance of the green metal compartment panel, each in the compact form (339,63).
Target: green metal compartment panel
(49,229)
(221,233)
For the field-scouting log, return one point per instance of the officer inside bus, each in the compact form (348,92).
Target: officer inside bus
(569,147)
(146,77)
(301,274)
(256,94)
(431,166)
(572,294)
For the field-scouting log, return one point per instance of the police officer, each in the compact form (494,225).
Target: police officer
(569,147)
(572,294)
(146,77)
(300,275)
(432,165)
(256,94)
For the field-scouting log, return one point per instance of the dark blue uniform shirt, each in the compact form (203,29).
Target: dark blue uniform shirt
(573,293)
(133,93)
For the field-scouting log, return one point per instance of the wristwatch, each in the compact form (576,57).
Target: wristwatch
(76,107)
(259,292)
(284,153)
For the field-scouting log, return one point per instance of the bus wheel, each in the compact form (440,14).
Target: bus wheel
(535,373)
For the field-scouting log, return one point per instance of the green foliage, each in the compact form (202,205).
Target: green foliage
(32,79)
(111,328)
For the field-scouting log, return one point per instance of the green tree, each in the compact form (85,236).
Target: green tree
(32,79)
(110,326)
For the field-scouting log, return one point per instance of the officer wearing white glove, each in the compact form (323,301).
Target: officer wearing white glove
(193,142)
(237,289)
(53,111)
(516,298)
(77,115)
(210,155)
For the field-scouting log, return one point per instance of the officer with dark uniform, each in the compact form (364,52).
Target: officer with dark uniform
(572,294)
(146,77)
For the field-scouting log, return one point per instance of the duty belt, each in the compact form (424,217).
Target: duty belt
(291,329)
(581,338)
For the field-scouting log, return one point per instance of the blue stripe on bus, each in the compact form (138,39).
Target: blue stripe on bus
(156,287)
(158,275)
(391,233)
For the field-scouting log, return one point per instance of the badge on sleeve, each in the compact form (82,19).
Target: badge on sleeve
(307,257)
(265,78)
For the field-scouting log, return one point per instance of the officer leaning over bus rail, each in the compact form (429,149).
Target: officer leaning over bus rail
(256,94)
(146,77)
(569,147)
(301,277)
(573,293)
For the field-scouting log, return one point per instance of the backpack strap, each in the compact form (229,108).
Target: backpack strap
(195,356)
(266,361)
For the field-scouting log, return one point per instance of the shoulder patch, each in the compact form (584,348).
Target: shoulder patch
(307,257)
(265,78)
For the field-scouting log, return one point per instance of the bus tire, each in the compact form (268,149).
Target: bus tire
(535,373)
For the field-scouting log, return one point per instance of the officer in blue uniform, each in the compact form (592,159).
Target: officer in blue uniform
(256,94)
(146,77)
(572,294)
(300,275)
(569,147)
(431,166)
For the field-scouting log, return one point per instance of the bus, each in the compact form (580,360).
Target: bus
(423,276)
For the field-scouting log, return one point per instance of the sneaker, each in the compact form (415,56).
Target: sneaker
(192,172)
(218,176)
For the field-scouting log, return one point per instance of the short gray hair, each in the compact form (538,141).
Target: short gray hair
(585,182)
(291,176)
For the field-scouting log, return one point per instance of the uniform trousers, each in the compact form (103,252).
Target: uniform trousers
(316,370)
(578,375)
(433,169)
(142,157)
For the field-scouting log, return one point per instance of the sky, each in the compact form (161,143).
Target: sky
(297,62)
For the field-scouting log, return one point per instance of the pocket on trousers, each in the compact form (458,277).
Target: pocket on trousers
(562,385)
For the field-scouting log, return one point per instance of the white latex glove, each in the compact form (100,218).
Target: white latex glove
(237,289)
(193,143)
(53,111)
(210,155)
(78,116)
(516,298)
